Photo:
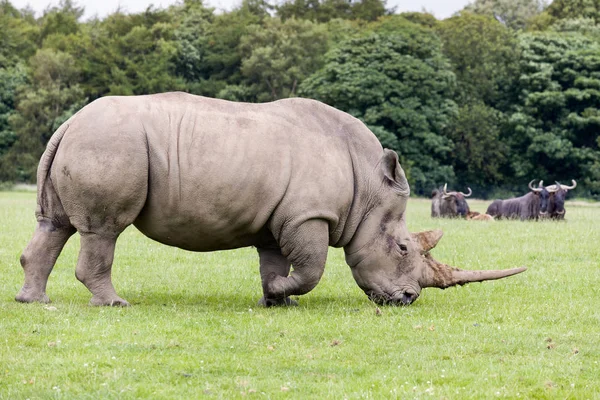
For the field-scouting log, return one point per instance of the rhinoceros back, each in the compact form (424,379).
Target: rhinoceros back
(206,174)
(219,172)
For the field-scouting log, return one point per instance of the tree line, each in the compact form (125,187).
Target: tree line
(502,92)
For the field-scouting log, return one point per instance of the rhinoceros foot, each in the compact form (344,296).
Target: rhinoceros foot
(277,302)
(113,302)
(25,296)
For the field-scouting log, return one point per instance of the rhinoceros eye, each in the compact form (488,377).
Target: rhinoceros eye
(403,248)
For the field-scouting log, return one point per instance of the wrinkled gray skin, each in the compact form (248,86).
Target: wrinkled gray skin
(290,177)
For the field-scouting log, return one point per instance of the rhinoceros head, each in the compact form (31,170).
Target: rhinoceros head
(390,264)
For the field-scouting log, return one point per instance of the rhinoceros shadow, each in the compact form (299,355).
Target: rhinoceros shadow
(213,300)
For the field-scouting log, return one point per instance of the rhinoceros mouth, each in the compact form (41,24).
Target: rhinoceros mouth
(395,299)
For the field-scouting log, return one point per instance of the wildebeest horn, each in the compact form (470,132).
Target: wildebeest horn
(568,187)
(443,276)
(446,194)
(467,195)
(552,188)
(535,189)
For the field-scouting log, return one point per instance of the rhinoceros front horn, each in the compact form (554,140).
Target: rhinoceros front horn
(443,276)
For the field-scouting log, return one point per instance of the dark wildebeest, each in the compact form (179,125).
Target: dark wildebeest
(556,203)
(446,204)
(525,207)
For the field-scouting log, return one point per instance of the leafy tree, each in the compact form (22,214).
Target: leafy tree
(397,81)
(51,98)
(61,20)
(260,9)
(573,9)
(10,79)
(585,26)
(484,56)
(556,125)
(369,10)
(18,35)
(192,38)
(480,153)
(339,30)
(326,10)
(420,18)
(125,54)
(515,14)
(314,10)
(569,16)
(276,57)
(208,55)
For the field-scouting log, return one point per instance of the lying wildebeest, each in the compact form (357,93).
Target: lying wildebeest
(446,204)
(289,177)
(556,203)
(525,207)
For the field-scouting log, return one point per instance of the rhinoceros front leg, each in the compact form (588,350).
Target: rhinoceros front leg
(94,266)
(39,257)
(273,264)
(305,247)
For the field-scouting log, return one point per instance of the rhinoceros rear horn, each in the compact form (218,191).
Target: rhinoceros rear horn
(427,239)
(443,276)
(393,173)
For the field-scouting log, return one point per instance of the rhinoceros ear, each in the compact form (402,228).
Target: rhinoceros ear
(393,173)
(427,240)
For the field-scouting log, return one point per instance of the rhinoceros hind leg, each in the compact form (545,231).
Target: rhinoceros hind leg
(94,266)
(39,257)
(305,247)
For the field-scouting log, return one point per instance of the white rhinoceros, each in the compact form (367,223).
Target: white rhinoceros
(290,177)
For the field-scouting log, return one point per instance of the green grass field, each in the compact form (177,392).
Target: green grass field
(194,330)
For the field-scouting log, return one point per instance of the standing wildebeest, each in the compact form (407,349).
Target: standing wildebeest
(556,203)
(449,204)
(525,207)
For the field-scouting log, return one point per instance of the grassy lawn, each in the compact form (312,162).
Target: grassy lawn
(194,330)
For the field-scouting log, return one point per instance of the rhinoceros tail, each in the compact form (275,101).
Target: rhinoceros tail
(44,198)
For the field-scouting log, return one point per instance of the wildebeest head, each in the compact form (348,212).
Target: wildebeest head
(545,196)
(558,194)
(454,204)
(392,265)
